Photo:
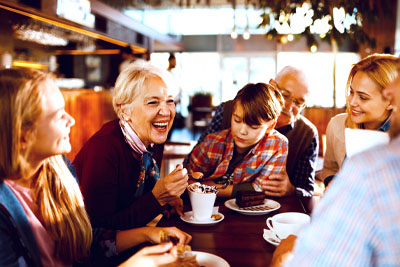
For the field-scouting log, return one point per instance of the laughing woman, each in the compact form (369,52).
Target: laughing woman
(118,166)
(367,108)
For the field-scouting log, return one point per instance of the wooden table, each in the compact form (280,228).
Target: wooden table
(238,238)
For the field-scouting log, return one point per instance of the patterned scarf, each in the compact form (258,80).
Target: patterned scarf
(149,172)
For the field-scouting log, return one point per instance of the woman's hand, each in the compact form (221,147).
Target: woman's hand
(152,256)
(153,234)
(172,186)
(127,239)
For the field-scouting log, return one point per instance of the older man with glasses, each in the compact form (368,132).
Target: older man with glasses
(301,133)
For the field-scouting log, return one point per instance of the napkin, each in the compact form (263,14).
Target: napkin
(358,140)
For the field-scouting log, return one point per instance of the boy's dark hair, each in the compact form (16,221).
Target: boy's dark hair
(260,102)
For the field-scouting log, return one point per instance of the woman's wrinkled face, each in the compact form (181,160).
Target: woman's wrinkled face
(152,112)
(51,136)
(244,135)
(366,102)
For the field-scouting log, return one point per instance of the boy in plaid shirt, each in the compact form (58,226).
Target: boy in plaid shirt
(248,152)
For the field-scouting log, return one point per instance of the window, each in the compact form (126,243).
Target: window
(224,74)
(319,70)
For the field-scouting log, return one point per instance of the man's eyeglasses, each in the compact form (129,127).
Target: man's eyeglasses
(298,102)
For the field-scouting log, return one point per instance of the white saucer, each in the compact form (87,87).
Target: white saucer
(188,217)
(210,260)
(270,237)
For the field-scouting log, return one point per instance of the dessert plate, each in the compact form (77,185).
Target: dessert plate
(271,238)
(210,260)
(268,206)
(215,218)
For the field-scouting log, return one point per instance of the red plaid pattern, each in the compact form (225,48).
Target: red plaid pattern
(212,157)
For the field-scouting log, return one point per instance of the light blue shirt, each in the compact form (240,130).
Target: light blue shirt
(357,222)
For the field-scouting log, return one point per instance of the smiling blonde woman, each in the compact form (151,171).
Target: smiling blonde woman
(367,108)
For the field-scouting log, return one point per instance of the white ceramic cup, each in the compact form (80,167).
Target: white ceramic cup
(287,223)
(202,205)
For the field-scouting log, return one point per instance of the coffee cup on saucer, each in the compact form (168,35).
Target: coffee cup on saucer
(202,198)
(287,223)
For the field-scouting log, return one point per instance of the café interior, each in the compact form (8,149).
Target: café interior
(218,46)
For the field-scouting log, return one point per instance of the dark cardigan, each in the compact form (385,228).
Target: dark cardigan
(108,172)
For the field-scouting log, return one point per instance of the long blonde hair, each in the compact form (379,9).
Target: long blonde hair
(380,68)
(55,191)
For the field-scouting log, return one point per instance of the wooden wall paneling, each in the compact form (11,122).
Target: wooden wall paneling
(321,117)
(90,110)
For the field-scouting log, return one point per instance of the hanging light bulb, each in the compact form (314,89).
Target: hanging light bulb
(234,34)
(246,34)
(313,48)
(284,39)
(290,37)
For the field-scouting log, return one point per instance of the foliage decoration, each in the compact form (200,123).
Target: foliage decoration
(362,12)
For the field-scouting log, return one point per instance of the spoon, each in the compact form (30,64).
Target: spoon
(197,176)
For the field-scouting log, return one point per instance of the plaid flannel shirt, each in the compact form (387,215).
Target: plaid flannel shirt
(213,155)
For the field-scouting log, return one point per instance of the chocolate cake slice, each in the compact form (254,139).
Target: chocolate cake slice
(249,198)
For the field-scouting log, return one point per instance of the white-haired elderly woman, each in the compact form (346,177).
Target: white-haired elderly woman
(118,166)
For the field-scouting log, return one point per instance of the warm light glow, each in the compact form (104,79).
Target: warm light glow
(305,5)
(73,28)
(290,37)
(234,34)
(322,35)
(27,64)
(246,35)
(284,39)
(314,48)
(84,52)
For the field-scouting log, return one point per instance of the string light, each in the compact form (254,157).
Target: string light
(313,48)
(284,39)
(290,37)
(246,34)
(234,34)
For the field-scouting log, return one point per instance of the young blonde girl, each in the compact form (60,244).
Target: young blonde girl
(43,221)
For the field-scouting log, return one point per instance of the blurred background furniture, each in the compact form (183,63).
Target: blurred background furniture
(201,110)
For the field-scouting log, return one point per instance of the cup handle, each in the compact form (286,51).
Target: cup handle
(269,224)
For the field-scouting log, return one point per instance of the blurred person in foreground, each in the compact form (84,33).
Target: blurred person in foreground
(251,150)
(43,221)
(367,108)
(357,221)
(299,176)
